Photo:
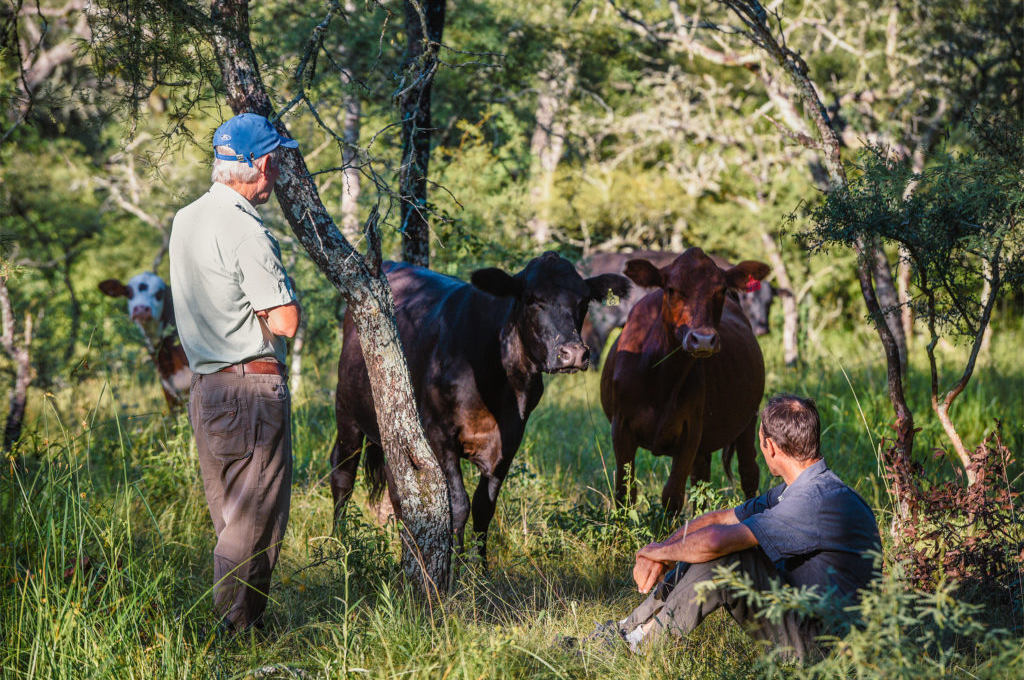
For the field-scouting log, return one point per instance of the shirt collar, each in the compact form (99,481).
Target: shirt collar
(225,193)
(806,476)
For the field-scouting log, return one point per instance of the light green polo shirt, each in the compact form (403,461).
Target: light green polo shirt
(225,266)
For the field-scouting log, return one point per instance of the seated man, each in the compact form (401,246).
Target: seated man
(813,530)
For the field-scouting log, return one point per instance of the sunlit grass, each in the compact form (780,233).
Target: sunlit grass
(105,550)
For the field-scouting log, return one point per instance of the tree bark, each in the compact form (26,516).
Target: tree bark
(424,26)
(556,84)
(426,508)
(19,354)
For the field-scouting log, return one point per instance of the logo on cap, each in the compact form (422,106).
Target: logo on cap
(225,137)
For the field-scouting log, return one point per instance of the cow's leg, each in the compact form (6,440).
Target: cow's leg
(702,466)
(673,495)
(624,444)
(485,501)
(459,499)
(746,456)
(348,447)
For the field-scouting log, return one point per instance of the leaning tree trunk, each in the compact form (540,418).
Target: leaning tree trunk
(556,83)
(755,20)
(424,25)
(421,486)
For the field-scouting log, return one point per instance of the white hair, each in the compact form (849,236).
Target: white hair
(232,172)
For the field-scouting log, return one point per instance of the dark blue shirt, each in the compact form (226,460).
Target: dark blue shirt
(817,531)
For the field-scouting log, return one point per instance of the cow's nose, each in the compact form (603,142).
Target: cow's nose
(142,313)
(701,344)
(574,355)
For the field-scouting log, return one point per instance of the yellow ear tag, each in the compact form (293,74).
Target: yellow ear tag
(612,300)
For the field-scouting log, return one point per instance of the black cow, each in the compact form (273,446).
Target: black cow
(476,354)
(756,304)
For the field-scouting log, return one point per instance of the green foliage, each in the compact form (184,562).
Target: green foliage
(958,222)
(902,633)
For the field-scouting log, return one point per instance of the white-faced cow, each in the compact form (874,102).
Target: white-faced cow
(476,355)
(150,307)
(686,376)
(756,303)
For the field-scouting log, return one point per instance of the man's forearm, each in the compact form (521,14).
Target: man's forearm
(726,516)
(703,545)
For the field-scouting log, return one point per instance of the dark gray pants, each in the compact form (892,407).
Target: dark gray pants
(672,606)
(242,426)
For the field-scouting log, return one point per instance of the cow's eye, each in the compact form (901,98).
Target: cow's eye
(159,295)
(142,287)
(131,293)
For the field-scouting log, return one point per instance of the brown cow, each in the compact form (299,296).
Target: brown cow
(686,375)
(150,307)
(476,355)
(602,320)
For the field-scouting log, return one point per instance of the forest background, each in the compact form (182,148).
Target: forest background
(568,126)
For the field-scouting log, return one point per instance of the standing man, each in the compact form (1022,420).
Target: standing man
(812,530)
(234,305)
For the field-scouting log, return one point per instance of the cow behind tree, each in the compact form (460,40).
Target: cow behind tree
(150,307)
(476,355)
(601,321)
(686,376)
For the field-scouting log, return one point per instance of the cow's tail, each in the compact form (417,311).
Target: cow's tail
(374,468)
(727,454)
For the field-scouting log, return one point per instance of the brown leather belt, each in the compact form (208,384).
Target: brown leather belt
(258,366)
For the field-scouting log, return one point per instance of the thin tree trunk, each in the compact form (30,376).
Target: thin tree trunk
(790,315)
(19,354)
(421,486)
(889,301)
(350,177)
(556,84)
(755,20)
(75,317)
(903,291)
(351,186)
(424,26)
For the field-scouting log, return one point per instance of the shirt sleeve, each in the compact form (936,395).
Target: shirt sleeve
(261,275)
(788,529)
(759,504)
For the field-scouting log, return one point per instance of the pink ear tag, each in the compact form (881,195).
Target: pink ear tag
(753,285)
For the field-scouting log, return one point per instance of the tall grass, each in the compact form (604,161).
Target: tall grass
(106,566)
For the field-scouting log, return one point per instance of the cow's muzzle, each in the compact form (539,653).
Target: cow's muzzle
(571,357)
(142,314)
(701,345)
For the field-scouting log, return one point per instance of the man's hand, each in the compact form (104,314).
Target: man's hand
(648,572)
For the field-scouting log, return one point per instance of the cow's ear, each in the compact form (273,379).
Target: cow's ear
(601,285)
(644,274)
(743,276)
(114,288)
(496,282)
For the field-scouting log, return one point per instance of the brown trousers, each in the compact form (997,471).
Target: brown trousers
(242,426)
(672,606)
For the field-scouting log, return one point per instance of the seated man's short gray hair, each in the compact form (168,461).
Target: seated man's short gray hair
(230,172)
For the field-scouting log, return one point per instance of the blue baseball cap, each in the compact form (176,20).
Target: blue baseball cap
(250,136)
